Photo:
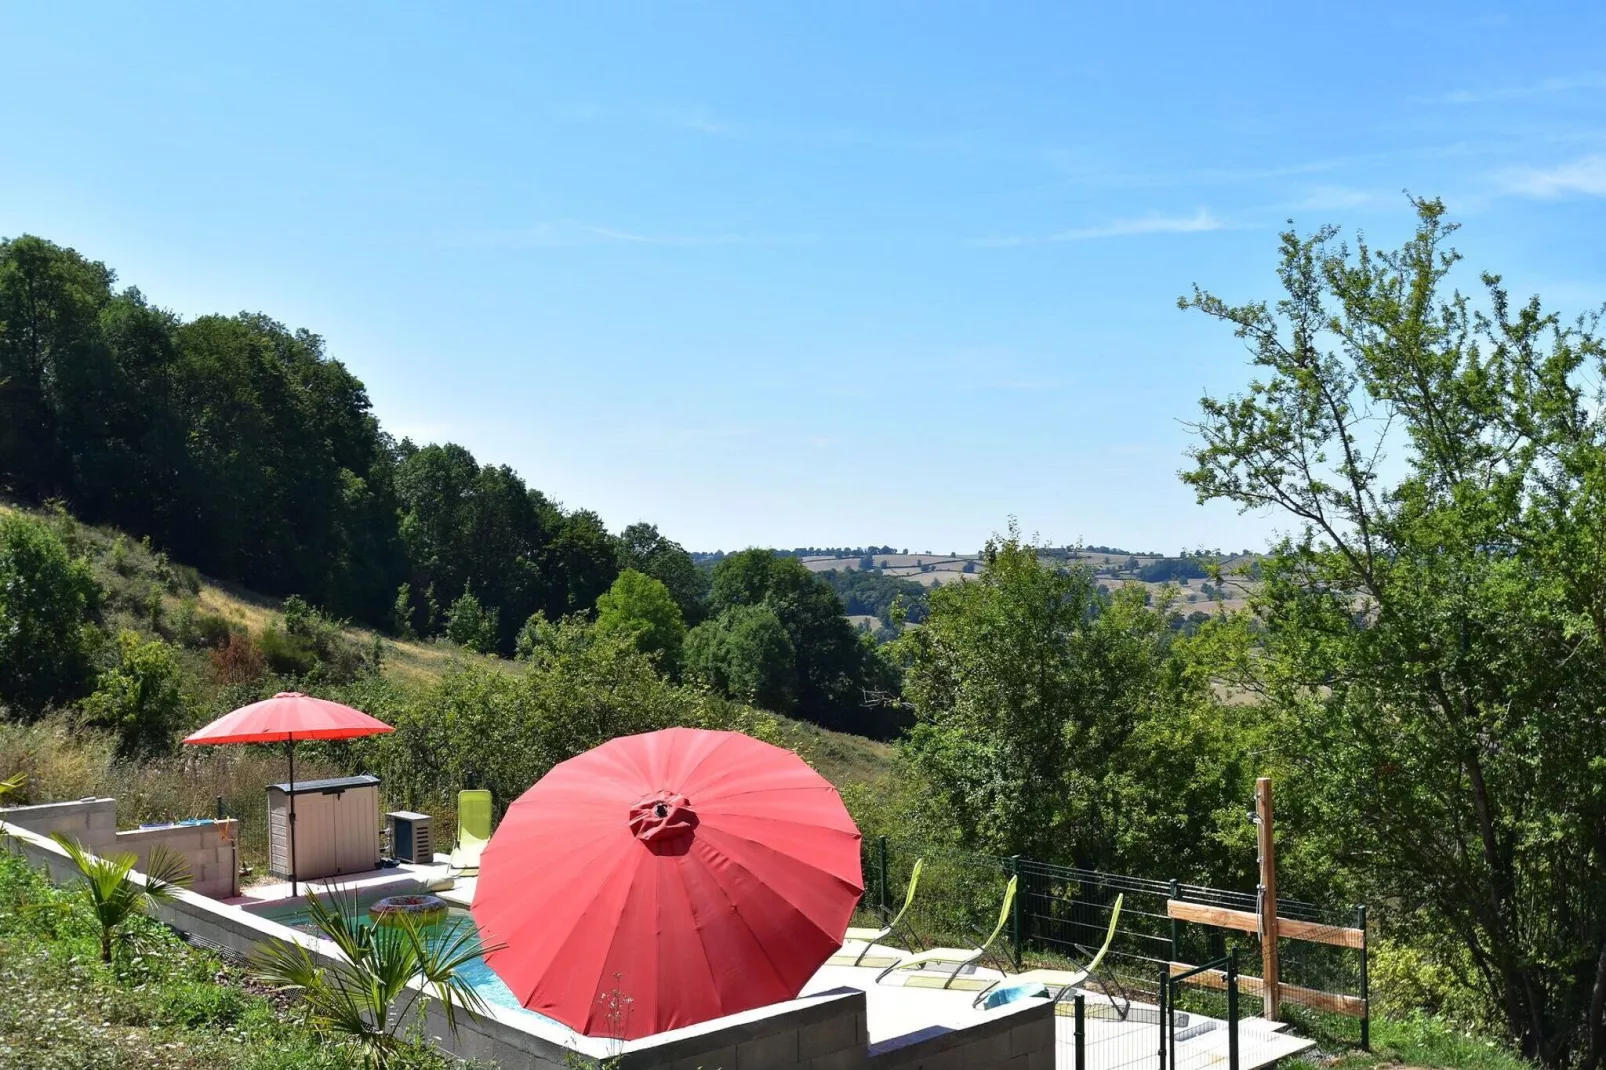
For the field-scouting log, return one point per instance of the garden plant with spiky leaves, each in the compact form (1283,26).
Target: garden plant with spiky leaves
(115,895)
(367,996)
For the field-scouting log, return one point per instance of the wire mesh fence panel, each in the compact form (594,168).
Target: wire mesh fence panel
(1063,916)
(1203,1009)
(1120,1029)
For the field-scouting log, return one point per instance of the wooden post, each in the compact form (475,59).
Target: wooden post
(1268,898)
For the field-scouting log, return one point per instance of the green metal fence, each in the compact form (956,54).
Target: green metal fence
(1062,913)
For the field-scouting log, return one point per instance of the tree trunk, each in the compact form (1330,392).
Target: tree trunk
(106,945)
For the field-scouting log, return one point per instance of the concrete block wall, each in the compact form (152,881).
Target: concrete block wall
(92,822)
(821,1032)
(209,850)
(1013,1039)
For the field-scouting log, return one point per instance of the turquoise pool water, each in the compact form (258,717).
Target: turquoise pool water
(479,976)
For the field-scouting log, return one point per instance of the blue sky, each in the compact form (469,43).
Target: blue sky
(799,274)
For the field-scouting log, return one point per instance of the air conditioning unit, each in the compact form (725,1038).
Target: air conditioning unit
(410,839)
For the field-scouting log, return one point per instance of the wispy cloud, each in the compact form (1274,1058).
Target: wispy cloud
(1200,221)
(1540,88)
(1584,177)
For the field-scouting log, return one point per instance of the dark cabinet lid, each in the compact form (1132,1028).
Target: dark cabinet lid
(333,786)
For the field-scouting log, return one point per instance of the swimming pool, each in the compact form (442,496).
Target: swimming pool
(479,976)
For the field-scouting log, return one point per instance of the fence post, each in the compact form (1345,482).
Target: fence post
(1176,893)
(1366,1018)
(1014,909)
(1165,1012)
(1081,1032)
(220,808)
(881,875)
(1232,1010)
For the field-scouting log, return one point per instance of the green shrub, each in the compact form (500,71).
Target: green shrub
(471,626)
(197,628)
(286,654)
(47,601)
(139,697)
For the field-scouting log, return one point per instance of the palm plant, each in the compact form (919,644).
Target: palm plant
(12,784)
(367,995)
(114,894)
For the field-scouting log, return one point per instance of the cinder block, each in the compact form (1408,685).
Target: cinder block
(1030,1036)
(833,1034)
(716,1059)
(769,1052)
(847,1059)
(1040,1060)
(989,1050)
(101,818)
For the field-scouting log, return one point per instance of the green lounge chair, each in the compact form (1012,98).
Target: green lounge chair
(473,831)
(871,937)
(1060,982)
(958,957)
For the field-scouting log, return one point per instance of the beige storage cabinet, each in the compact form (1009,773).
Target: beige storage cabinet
(337,827)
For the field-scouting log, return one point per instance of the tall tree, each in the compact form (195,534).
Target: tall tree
(1435,628)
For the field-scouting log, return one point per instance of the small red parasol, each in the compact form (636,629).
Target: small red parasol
(286,718)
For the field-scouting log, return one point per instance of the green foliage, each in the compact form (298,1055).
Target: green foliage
(486,727)
(642,548)
(832,669)
(1051,725)
(193,627)
(642,608)
(364,1000)
(1434,631)
(47,601)
(240,445)
(139,697)
(879,596)
(164,1006)
(745,653)
(311,646)
(401,613)
(470,625)
(113,893)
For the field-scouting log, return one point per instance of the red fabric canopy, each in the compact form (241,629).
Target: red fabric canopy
(693,874)
(289,715)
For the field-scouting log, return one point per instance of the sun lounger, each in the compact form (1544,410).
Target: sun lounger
(871,937)
(473,831)
(1061,982)
(952,961)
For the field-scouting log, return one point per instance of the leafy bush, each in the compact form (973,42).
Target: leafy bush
(286,654)
(471,626)
(139,697)
(47,600)
(195,627)
(485,727)
(642,608)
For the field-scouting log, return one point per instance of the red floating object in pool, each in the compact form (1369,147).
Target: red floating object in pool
(691,873)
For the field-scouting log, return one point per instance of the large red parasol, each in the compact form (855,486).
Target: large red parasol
(285,718)
(665,879)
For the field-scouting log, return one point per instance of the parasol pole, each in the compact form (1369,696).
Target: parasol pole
(291,740)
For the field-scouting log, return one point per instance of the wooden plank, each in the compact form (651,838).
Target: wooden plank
(1246,921)
(1334,1002)
(1336,935)
(1218,979)
(1268,898)
(1221,917)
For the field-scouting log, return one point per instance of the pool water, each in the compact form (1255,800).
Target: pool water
(479,976)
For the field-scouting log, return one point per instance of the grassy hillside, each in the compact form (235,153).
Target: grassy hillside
(153,596)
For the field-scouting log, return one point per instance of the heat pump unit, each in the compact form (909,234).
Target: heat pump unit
(410,839)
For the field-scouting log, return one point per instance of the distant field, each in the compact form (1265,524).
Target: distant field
(932,569)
